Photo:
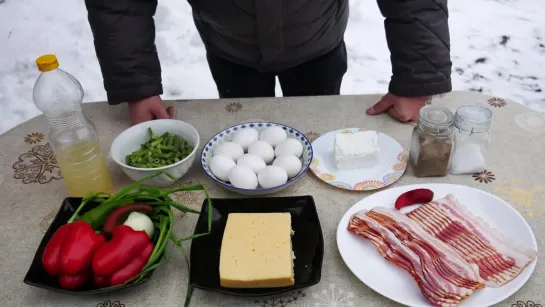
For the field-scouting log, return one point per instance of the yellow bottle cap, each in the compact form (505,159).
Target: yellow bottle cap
(47,62)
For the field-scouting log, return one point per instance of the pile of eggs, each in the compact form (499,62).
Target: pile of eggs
(252,158)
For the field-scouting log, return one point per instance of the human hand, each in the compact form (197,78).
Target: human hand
(404,109)
(149,108)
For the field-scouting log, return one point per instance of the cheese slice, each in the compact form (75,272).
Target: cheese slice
(256,251)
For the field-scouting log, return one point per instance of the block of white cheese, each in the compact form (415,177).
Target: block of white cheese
(256,251)
(356,150)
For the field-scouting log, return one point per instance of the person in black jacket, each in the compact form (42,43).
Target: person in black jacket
(248,43)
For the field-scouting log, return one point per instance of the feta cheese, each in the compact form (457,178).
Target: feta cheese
(356,150)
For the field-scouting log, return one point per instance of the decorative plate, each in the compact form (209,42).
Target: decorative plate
(227,134)
(395,283)
(392,164)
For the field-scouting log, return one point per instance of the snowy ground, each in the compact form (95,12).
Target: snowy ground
(498,46)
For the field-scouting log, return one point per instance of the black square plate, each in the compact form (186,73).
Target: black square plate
(308,242)
(37,276)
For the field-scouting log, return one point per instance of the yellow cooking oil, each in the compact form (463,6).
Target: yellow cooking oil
(84,169)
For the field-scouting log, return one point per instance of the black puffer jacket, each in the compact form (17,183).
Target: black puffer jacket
(269,35)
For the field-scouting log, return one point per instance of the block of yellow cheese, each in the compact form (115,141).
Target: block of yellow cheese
(256,251)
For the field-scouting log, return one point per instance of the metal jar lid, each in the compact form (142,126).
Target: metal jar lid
(436,120)
(473,118)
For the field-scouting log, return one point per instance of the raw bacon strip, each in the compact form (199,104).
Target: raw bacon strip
(466,244)
(432,269)
(499,259)
(443,256)
(404,258)
(444,278)
(360,228)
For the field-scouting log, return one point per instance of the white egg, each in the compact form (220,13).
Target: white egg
(263,150)
(291,164)
(229,149)
(245,137)
(252,161)
(273,135)
(220,167)
(289,147)
(272,176)
(242,177)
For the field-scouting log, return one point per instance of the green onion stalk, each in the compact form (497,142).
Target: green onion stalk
(162,217)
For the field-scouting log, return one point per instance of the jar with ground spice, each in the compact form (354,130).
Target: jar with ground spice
(472,130)
(432,142)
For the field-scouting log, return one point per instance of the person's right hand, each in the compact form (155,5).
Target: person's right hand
(149,108)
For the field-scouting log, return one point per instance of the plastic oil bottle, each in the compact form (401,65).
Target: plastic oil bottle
(72,136)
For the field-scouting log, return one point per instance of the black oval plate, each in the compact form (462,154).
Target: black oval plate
(307,242)
(36,275)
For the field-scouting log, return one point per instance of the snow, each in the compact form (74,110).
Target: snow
(498,47)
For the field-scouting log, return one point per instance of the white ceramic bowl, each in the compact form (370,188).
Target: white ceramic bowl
(227,134)
(131,139)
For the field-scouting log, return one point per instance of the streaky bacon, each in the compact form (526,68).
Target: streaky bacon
(499,259)
(394,257)
(443,277)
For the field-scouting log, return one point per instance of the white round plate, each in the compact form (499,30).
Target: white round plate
(392,164)
(395,283)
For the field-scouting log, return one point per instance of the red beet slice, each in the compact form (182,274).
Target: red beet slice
(413,197)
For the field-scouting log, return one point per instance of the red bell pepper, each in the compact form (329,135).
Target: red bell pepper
(71,249)
(50,257)
(101,281)
(73,282)
(78,248)
(123,257)
(133,267)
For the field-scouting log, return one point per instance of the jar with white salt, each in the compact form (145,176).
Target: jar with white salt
(472,129)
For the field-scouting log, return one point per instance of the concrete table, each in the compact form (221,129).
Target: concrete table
(32,189)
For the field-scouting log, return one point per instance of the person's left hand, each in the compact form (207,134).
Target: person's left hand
(404,109)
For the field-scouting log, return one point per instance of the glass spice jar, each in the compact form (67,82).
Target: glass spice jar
(472,130)
(432,142)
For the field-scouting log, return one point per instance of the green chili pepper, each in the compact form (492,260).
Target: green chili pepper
(97,216)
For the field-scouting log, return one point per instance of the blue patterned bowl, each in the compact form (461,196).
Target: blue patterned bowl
(227,134)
